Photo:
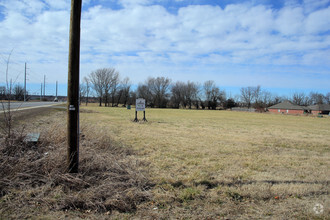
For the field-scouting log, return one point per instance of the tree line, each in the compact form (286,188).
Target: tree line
(162,92)
(110,89)
(16,93)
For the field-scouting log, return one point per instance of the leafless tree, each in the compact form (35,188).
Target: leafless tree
(114,86)
(191,93)
(105,83)
(212,94)
(250,95)
(2,92)
(97,79)
(256,94)
(144,92)
(159,89)
(87,86)
(317,98)
(266,98)
(327,98)
(125,88)
(6,126)
(300,99)
(177,97)
(18,92)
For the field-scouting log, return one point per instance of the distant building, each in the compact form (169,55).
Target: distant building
(321,108)
(287,107)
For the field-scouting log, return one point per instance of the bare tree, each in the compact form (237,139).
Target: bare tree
(97,79)
(266,98)
(247,95)
(191,93)
(87,84)
(144,92)
(105,83)
(177,97)
(159,89)
(317,98)
(212,94)
(300,99)
(114,86)
(184,94)
(7,113)
(125,87)
(2,92)
(256,91)
(327,98)
(132,98)
(18,92)
(197,100)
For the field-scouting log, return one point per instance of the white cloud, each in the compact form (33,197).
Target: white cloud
(132,3)
(148,36)
(318,21)
(312,5)
(290,21)
(59,4)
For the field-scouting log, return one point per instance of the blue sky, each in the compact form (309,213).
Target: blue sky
(284,46)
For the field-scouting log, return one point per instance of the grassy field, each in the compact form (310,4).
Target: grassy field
(209,164)
(200,164)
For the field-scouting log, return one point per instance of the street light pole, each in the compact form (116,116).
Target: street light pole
(73,88)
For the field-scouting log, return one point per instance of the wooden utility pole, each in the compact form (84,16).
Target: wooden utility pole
(73,88)
(25,84)
(44,86)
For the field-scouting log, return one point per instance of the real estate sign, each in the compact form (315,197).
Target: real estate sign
(140,105)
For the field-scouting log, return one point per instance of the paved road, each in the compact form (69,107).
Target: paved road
(18,106)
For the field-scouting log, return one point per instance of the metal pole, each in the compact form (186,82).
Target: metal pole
(73,88)
(25,84)
(136,119)
(144,116)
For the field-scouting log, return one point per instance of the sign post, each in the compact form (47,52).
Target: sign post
(140,105)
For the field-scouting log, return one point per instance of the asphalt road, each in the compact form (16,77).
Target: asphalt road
(19,106)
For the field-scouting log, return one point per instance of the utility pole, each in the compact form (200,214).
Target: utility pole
(73,88)
(25,84)
(44,86)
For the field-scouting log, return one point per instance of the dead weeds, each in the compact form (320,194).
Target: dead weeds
(33,180)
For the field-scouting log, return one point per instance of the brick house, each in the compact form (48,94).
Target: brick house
(287,107)
(321,108)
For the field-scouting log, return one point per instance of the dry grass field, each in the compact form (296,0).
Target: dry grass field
(211,164)
(203,164)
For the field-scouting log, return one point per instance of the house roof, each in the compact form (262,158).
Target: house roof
(287,105)
(320,107)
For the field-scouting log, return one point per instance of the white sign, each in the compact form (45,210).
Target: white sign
(140,105)
(72,108)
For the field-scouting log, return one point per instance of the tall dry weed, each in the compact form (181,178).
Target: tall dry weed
(109,178)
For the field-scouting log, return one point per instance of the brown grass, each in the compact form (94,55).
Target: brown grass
(201,165)
(212,164)
(33,181)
